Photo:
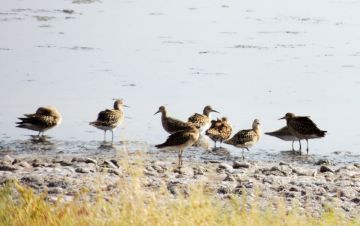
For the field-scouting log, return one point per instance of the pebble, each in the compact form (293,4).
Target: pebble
(237,165)
(82,170)
(324,169)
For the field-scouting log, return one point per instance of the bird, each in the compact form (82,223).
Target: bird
(109,119)
(303,128)
(285,134)
(43,119)
(181,140)
(219,130)
(171,125)
(202,120)
(246,138)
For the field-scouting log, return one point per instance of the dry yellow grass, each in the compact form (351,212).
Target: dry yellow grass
(135,206)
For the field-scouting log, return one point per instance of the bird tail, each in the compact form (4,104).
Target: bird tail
(322,133)
(160,145)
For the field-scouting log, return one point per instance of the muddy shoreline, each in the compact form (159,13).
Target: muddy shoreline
(310,187)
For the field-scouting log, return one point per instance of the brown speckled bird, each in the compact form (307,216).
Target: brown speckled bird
(246,138)
(219,130)
(285,134)
(171,125)
(42,120)
(202,121)
(109,119)
(303,128)
(181,140)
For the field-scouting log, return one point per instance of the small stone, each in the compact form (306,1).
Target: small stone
(324,169)
(114,171)
(229,178)
(356,200)
(37,163)
(323,162)
(82,170)
(90,160)
(225,167)
(115,162)
(224,189)
(237,165)
(7,168)
(8,159)
(109,164)
(25,164)
(65,163)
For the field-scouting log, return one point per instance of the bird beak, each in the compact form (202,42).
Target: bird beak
(157,112)
(127,106)
(282,118)
(215,111)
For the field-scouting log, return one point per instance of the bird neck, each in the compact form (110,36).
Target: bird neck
(164,114)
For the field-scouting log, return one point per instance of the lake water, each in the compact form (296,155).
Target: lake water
(248,59)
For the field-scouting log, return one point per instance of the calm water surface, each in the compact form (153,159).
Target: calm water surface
(248,59)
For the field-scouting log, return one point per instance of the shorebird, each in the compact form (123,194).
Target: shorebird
(110,119)
(303,128)
(202,121)
(181,140)
(285,134)
(219,130)
(43,119)
(171,125)
(246,138)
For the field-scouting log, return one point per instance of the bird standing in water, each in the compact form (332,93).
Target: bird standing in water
(109,119)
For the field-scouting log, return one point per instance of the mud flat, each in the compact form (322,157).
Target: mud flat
(309,188)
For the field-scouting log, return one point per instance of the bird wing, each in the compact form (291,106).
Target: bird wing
(109,116)
(176,139)
(304,125)
(176,125)
(244,136)
(196,119)
(39,120)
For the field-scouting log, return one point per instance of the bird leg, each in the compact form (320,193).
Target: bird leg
(104,135)
(307,146)
(180,158)
(112,136)
(242,153)
(292,145)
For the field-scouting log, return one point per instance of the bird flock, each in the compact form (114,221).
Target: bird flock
(185,134)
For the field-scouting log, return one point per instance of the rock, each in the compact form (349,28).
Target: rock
(293,188)
(7,168)
(8,159)
(237,165)
(90,160)
(82,170)
(199,170)
(55,190)
(109,164)
(323,162)
(224,166)
(65,163)
(225,189)
(356,200)
(32,181)
(25,164)
(114,171)
(37,163)
(303,172)
(229,178)
(324,169)
(115,162)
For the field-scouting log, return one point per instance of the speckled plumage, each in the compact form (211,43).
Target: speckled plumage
(285,134)
(181,140)
(219,130)
(109,119)
(171,125)
(246,138)
(42,120)
(303,128)
(202,121)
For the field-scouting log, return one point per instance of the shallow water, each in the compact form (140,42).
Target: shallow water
(248,59)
